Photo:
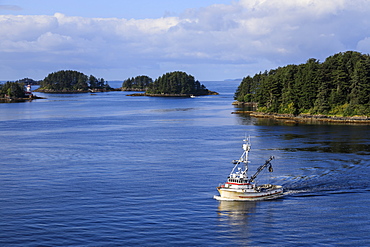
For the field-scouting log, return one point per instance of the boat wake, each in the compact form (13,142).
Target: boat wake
(316,181)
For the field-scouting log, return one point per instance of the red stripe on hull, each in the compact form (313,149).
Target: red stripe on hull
(280,192)
(237,183)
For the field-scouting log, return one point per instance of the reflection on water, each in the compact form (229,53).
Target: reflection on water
(174,110)
(291,136)
(238,212)
(235,217)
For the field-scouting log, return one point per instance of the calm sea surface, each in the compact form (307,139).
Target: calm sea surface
(105,169)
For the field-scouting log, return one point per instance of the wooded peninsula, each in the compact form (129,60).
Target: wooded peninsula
(339,86)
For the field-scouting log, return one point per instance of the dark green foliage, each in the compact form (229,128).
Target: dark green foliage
(244,91)
(338,86)
(28,81)
(69,80)
(139,82)
(12,90)
(177,83)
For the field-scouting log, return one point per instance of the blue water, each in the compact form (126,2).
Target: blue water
(105,169)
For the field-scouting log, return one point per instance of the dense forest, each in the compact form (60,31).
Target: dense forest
(138,83)
(12,90)
(177,83)
(338,86)
(69,80)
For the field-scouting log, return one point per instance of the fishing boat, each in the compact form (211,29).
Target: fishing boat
(240,187)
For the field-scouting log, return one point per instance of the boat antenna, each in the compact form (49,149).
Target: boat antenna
(246,148)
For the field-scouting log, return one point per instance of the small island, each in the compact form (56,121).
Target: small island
(175,84)
(17,91)
(336,90)
(70,81)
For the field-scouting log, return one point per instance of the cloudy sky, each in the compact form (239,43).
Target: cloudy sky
(210,39)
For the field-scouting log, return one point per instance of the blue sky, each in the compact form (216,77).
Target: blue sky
(138,9)
(210,39)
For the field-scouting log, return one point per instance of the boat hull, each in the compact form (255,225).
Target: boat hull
(265,192)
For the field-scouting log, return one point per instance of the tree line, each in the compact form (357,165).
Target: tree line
(338,86)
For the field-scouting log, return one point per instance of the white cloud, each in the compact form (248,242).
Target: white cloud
(238,39)
(364,45)
(25,27)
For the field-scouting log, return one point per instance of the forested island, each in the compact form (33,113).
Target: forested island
(339,86)
(12,90)
(139,83)
(70,81)
(170,84)
(175,84)
(16,91)
(178,83)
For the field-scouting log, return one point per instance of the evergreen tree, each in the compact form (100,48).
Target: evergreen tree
(244,91)
(93,81)
(289,97)
(360,93)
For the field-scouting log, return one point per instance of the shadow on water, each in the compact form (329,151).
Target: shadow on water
(332,147)
(174,110)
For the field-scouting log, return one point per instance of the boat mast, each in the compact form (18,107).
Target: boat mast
(244,157)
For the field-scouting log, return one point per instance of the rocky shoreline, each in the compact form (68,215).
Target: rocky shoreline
(301,118)
(16,100)
(133,89)
(290,118)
